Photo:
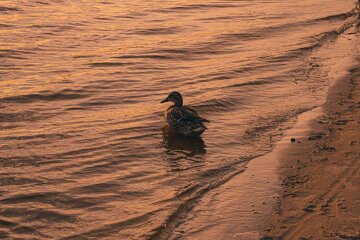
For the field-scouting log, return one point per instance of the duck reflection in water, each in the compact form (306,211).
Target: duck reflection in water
(188,146)
(184,147)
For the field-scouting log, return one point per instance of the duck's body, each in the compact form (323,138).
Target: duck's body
(183,119)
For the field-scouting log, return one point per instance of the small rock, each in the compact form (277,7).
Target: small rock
(323,122)
(317,136)
(293,139)
(310,208)
(267,238)
(327,149)
(341,122)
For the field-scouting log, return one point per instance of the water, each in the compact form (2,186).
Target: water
(82,151)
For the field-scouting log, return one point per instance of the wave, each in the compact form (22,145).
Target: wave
(62,200)
(108,64)
(113,228)
(146,56)
(212,47)
(216,178)
(265,32)
(157,31)
(216,105)
(24,116)
(66,94)
(9,9)
(195,7)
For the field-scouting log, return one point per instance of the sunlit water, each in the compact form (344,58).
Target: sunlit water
(82,151)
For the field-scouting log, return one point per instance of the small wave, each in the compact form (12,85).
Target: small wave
(42,26)
(216,105)
(39,215)
(56,199)
(230,74)
(321,39)
(9,9)
(31,197)
(334,33)
(20,161)
(9,56)
(179,54)
(157,31)
(84,56)
(19,229)
(341,16)
(103,18)
(145,56)
(133,15)
(105,102)
(164,54)
(99,188)
(42,3)
(175,51)
(196,51)
(15,52)
(108,64)
(250,83)
(65,94)
(17,181)
(7,223)
(2,25)
(195,7)
(24,116)
(36,136)
(215,178)
(112,228)
(106,3)
(243,36)
(265,32)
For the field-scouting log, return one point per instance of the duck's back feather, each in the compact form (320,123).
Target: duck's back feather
(185,120)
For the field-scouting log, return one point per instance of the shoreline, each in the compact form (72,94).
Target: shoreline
(248,199)
(320,172)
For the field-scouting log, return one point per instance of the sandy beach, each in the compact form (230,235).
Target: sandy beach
(321,173)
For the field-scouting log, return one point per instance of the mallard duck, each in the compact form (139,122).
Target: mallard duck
(181,119)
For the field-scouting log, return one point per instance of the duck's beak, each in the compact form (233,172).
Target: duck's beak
(165,100)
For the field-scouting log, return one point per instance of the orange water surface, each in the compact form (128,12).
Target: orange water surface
(82,151)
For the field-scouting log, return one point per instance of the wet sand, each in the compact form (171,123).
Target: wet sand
(320,173)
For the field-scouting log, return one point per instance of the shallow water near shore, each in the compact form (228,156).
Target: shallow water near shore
(82,151)
(250,198)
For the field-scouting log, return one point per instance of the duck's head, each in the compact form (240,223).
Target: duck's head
(174,97)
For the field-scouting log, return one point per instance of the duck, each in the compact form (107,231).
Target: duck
(183,120)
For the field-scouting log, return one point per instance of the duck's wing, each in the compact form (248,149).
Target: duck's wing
(190,115)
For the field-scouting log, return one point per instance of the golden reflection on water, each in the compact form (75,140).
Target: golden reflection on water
(80,119)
